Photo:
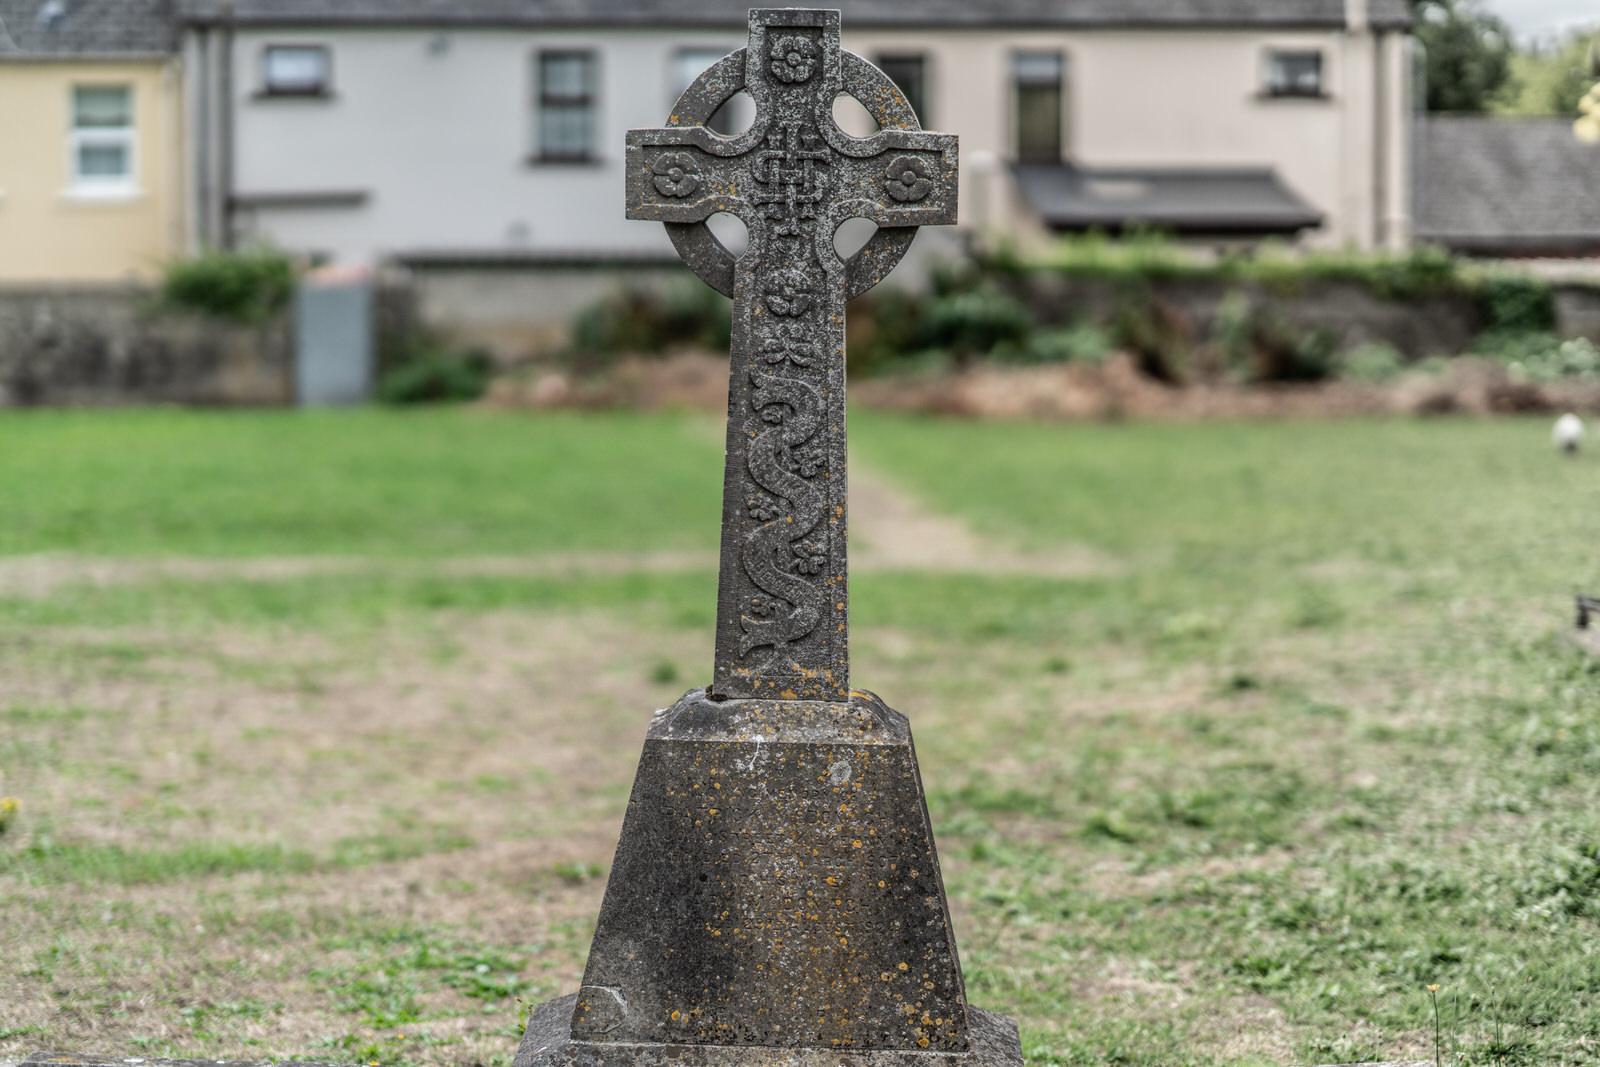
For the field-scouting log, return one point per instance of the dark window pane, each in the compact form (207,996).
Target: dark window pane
(1038,96)
(909,73)
(1036,68)
(1294,74)
(103,161)
(566,105)
(565,75)
(102,107)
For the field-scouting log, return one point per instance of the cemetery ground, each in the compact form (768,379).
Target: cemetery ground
(1237,736)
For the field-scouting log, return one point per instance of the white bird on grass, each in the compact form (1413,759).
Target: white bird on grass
(1568,433)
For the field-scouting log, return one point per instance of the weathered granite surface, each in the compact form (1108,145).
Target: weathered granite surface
(548,1042)
(776,895)
(78,1059)
(793,177)
(776,884)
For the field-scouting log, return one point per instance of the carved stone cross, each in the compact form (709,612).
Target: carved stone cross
(776,899)
(793,177)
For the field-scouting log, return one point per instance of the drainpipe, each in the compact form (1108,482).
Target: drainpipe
(202,88)
(225,128)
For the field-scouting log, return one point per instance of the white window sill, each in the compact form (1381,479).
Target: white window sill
(95,194)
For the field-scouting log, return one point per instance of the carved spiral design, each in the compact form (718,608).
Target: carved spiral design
(792,412)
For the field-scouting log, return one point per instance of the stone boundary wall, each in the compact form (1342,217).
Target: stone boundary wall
(517,312)
(1190,309)
(1578,310)
(111,345)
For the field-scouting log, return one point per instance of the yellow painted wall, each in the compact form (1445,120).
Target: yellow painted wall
(49,234)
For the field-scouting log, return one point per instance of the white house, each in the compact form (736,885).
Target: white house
(359,130)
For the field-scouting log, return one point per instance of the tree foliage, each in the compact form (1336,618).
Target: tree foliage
(1468,54)
(1549,80)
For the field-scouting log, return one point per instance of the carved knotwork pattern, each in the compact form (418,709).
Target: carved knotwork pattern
(792,178)
(789,175)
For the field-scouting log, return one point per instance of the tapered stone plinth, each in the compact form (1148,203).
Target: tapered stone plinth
(776,896)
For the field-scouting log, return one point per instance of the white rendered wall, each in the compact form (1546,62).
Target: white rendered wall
(441,137)
(1174,99)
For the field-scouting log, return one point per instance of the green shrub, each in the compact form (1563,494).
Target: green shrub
(428,373)
(1082,342)
(1515,303)
(975,322)
(1542,357)
(243,286)
(1160,336)
(1374,362)
(1143,257)
(1421,271)
(884,330)
(637,320)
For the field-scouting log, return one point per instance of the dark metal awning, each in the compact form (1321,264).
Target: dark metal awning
(1246,201)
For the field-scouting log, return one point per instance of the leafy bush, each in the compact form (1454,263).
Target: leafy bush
(975,322)
(1158,335)
(426,372)
(1514,303)
(1374,362)
(1082,342)
(243,286)
(637,320)
(1542,357)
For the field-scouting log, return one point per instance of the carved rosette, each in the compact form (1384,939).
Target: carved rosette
(793,58)
(675,174)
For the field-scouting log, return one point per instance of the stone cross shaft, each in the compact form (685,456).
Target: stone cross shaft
(793,177)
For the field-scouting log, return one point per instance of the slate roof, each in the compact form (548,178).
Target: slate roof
(87,28)
(1244,201)
(731,13)
(1506,186)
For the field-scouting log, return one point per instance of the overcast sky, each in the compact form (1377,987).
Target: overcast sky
(1543,18)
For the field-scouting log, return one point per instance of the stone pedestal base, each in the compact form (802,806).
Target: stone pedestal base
(548,1042)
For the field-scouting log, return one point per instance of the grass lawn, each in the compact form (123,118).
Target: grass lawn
(316,759)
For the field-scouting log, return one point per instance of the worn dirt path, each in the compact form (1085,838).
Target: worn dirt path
(890,531)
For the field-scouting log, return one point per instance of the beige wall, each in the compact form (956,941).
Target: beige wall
(47,233)
(1183,99)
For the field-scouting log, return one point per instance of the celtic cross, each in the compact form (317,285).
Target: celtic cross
(793,177)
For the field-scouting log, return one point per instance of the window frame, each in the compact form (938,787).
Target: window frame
(587,101)
(321,89)
(123,137)
(919,103)
(1271,89)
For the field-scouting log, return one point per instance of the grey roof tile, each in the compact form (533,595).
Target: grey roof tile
(87,27)
(1235,200)
(1389,13)
(1497,184)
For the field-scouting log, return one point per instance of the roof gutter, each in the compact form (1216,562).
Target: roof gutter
(545,21)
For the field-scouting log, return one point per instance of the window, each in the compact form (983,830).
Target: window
(102,138)
(687,65)
(1037,77)
(909,73)
(566,106)
(1294,74)
(295,70)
